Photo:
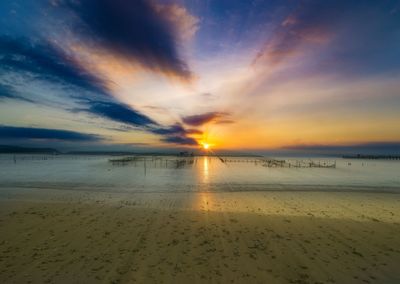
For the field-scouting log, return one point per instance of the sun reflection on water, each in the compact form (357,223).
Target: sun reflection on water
(205,170)
(202,200)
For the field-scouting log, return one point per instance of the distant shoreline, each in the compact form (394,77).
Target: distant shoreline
(18,150)
(372,157)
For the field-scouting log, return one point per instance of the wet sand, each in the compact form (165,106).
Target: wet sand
(242,237)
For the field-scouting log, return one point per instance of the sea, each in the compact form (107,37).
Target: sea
(197,174)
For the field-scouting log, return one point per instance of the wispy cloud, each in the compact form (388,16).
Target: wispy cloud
(310,24)
(336,36)
(137,29)
(200,119)
(8,92)
(120,112)
(180,140)
(104,63)
(132,119)
(12,132)
(45,61)
(177,134)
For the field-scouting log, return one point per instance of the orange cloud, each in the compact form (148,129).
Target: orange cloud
(185,24)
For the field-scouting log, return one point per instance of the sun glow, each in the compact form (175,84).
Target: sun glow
(206,146)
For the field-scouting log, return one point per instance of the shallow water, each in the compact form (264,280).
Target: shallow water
(161,174)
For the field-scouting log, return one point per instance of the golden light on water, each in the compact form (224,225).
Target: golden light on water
(205,169)
(203,200)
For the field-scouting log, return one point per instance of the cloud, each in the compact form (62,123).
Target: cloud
(310,23)
(172,130)
(8,92)
(136,29)
(194,131)
(185,23)
(180,140)
(200,119)
(139,30)
(177,134)
(338,36)
(120,112)
(44,61)
(11,132)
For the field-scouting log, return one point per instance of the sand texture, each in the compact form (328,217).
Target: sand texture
(260,237)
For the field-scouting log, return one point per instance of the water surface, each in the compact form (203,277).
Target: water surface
(161,174)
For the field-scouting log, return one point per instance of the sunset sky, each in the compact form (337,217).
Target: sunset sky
(238,75)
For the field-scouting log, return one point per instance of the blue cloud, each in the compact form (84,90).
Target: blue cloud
(120,112)
(175,129)
(176,134)
(44,61)
(11,132)
(7,92)
(134,29)
(180,140)
(200,119)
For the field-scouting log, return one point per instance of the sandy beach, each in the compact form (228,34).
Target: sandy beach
(240,237)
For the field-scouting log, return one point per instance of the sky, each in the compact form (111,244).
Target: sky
(237,75)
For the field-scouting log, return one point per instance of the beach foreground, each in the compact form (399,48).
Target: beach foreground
(229,237)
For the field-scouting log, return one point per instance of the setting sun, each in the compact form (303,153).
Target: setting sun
(206,146)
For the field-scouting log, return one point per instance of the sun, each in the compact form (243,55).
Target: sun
(206,146)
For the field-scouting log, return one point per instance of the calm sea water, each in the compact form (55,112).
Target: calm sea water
(161,174)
